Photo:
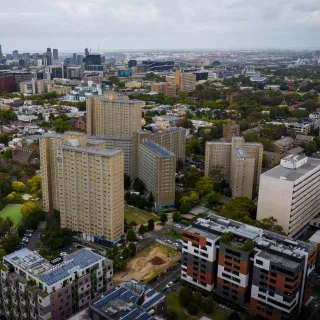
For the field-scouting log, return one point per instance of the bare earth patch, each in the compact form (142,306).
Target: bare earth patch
(142,267)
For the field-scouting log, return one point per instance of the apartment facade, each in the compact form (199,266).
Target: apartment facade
(291,192)
(249,266)
(237,162)
(157,168)
(113,117)
(34,288)
(91,192)
(49,170)
(174,140)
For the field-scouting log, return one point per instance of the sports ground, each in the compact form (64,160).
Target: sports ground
(12,211)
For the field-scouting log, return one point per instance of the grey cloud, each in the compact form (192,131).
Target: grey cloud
(74,24)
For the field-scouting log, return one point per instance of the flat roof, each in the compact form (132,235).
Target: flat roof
(88,150)
(164,133)
(109,138)
(121,100)
(293,174)
(278,259)
(157,148)
(41,269)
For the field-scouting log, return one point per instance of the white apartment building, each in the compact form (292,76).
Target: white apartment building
(290,193)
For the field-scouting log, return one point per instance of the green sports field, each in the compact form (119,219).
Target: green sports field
(12,211)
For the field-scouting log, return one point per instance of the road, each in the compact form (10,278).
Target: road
(171,275)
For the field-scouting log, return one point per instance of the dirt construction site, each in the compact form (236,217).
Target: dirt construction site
(148,263)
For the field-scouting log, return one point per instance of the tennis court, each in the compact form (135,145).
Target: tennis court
(12,211)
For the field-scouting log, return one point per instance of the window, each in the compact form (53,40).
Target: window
(259,262)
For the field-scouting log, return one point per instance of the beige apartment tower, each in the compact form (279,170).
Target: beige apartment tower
(84,182)
(237,162)
(290,193)
(157,168)
(107,116)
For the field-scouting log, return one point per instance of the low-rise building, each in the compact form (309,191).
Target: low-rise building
(283,145)
(129,300)
(34,288)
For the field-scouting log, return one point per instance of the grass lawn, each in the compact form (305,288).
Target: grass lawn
(174,304)
(173,234)
(12,211)
(137,215)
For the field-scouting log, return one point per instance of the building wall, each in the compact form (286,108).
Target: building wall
(113,117)
(49,171)
(294,203)
(188,82)
(158,174)
(91,194)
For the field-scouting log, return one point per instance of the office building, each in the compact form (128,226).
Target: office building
(54,71)
(132,63)
(157,168)
(92,59)
(1,55)
(184,81)
(7,82)
(158,65)
(55,54)
(290,192)
(74,58)
(79,59)
(86,52)
(166,88)
(35,288)
(173,140)
(48,55)
(129,300)
(15,55)
(238,162)
(116,117)
(245,265)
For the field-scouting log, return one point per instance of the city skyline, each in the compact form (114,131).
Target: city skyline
(152,25)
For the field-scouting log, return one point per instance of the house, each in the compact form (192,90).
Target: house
(80,123)
(25,155)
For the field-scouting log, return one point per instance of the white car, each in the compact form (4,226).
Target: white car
(26,240)
(63,254)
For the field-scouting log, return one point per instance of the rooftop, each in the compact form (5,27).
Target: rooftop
(109,138)
(157,148)
(41,269)
(292,174)
(172,130)
(89,150)
(130,300)
(283,248)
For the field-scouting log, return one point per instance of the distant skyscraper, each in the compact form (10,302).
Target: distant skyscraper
(132,63)
(15,55)
(1,55)
(49,57)
(55,54)
(74,56)
(79,59)
(86,51)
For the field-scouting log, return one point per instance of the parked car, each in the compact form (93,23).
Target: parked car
(25,240)
(29,231)
(27,235)
(63,254)
(39,235)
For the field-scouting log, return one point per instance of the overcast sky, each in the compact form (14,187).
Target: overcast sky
(71,25)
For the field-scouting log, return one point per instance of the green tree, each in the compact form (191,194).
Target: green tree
(163,218)
(213,197)
(131,236)
(35,184)
(150,202)
(9,243)
(185,296)
(5,184)
(185,207)
(138,185)
(127,182)
(132,248)
(204,186)
(193,146)
(234,316)
(151,225)
(56,238)
(208,304)
(176,217)
(311,148)
(51,117)
(29,208)
(190,177)
(270,224)
(18,186)
(2,253)
(142,229)
(4,138)
(119,264)
(148,120)
(193,308)
(172,314)
(125,253)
